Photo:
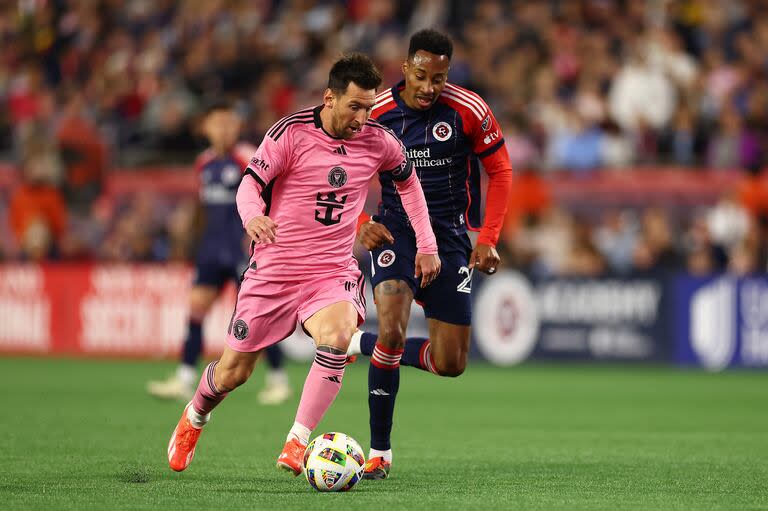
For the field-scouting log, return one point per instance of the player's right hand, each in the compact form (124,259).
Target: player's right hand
(373,235)
(262,230)
(427,267)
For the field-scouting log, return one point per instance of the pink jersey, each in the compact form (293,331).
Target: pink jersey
(314,186)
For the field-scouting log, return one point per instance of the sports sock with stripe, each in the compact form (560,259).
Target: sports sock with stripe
(383,384)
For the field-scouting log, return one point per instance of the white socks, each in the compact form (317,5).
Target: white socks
(299,431)
(276,377)
(196,419)
(387,455)
(187,375)
(354,343)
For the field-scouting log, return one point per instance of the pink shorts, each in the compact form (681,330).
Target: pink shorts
(266,312)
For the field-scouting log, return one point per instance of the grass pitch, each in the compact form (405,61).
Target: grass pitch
(84,435)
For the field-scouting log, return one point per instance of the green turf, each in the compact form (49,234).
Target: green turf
(84,435)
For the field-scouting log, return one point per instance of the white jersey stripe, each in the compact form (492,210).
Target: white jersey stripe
(467,95)
(383,104)
(383,99)
(460,101)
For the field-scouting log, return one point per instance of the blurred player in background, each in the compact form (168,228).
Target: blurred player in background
(221,255)
(447,131)
(304,190)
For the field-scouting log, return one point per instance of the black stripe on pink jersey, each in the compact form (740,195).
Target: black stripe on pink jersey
(302,120)
(254,175)
(279,124)
(361,289)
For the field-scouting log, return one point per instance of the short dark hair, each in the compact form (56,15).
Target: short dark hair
(217,105)
(431,41)
(353,67)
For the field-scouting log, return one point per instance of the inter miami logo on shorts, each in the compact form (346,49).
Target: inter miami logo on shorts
(442,131)
(240,329)
(337,177)
(386,258)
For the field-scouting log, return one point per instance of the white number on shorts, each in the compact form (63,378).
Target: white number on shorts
(465,286)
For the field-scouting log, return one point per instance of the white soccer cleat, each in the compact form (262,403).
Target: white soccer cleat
(172,388)
(274,394)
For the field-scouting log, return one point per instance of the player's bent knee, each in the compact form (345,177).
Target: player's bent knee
(336,337)
(392,336)
(451,368)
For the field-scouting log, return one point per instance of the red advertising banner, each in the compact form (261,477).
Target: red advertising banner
(102,310)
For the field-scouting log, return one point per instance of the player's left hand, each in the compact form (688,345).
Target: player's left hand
(484,258)
(427,267)
(373,235)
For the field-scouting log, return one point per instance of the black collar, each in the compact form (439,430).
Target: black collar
(319,122)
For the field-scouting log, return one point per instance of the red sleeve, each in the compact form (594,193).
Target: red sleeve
(484,133)
(363,218)
(499,170)
(479,124)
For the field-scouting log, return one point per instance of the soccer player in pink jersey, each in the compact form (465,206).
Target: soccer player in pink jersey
(299,202)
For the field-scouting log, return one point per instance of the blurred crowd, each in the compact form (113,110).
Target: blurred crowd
(579,86)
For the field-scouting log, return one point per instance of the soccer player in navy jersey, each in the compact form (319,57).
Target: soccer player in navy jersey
(447,131)
(221,253)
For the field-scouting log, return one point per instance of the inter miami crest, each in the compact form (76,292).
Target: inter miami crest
(337,177)
(240,329)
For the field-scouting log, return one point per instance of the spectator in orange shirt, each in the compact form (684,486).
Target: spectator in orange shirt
(37,213)
(84,155)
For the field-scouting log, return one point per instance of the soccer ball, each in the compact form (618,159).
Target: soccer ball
(333,462)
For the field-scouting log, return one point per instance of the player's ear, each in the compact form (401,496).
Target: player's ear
(405,67)
(328,98)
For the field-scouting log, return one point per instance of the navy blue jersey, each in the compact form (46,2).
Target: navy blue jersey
(445,144)
(219,177)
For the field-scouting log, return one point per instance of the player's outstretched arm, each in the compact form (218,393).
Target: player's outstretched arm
(484,257)
(427,267)
(427,261)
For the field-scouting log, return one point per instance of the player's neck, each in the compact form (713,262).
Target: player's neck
(326,119)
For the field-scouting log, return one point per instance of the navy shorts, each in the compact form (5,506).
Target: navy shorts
(216,273)
(448,297)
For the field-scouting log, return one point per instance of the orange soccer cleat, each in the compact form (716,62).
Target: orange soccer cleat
(181,448)
(292,457)
(376,468)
